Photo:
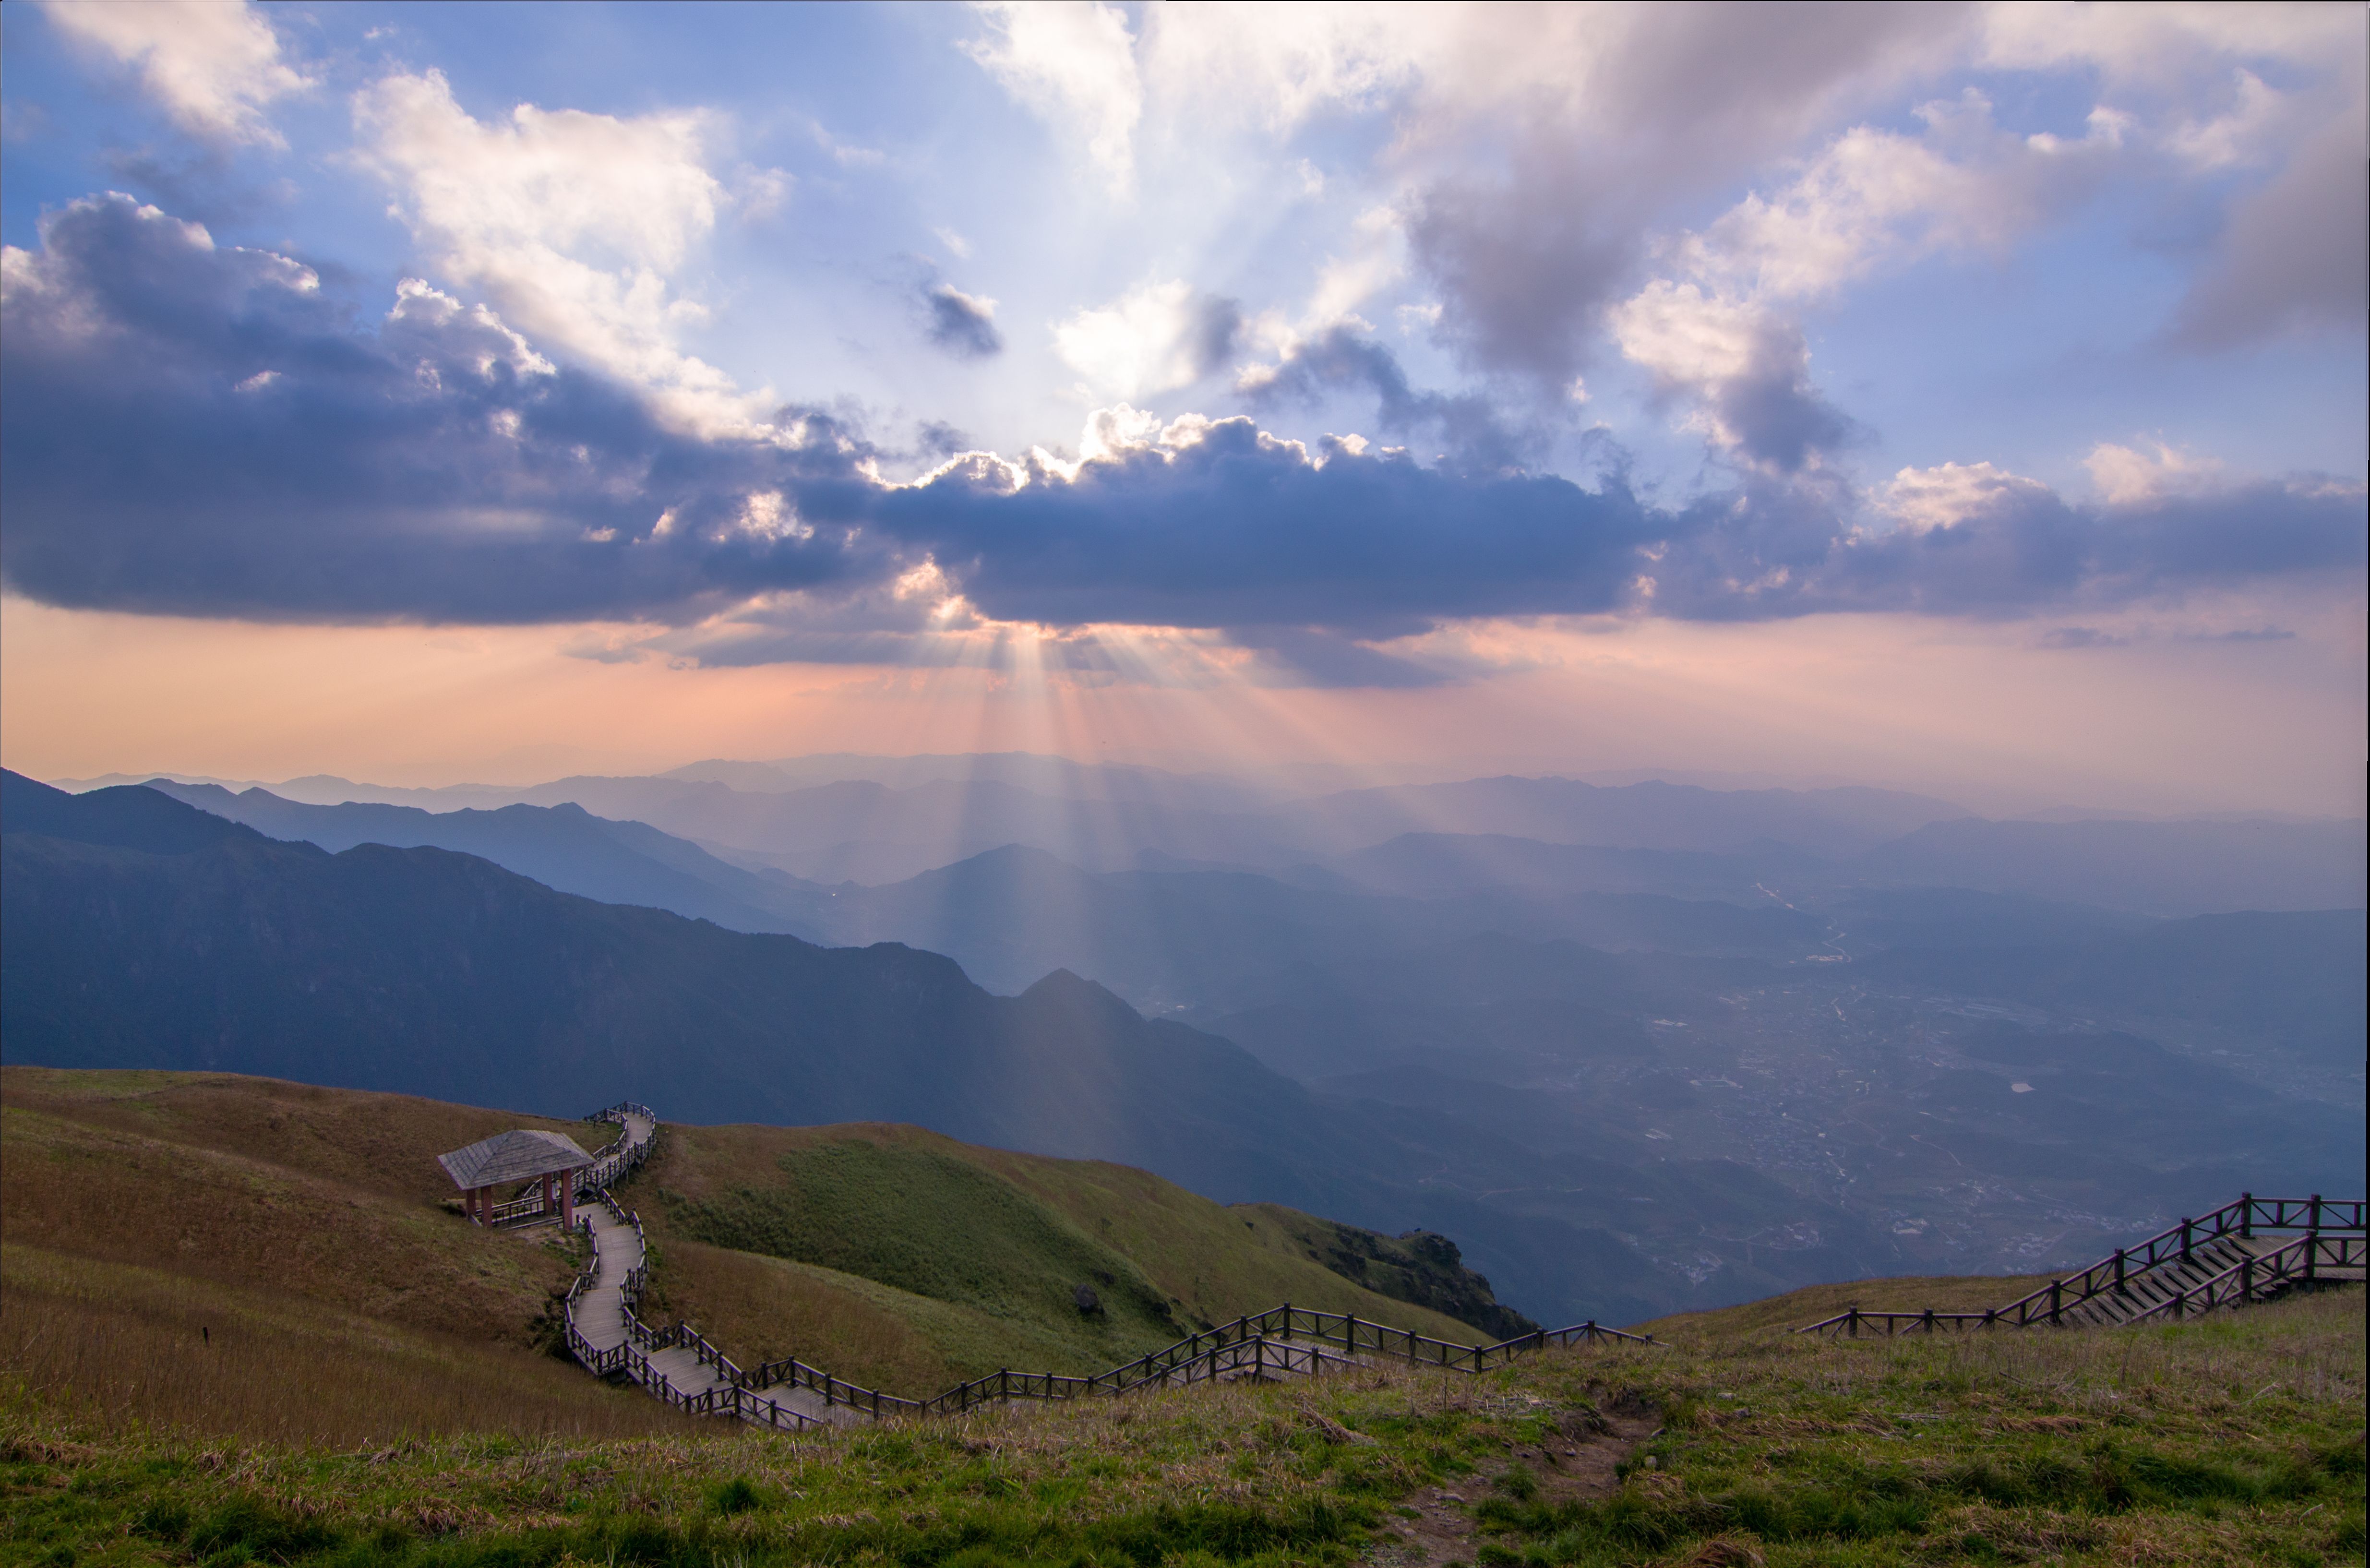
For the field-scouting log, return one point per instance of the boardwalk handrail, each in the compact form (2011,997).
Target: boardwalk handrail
(631,1357)
(1282,1340)
(2262,1274)
(2315,1216)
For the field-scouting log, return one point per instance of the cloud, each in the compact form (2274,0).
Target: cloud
(1474,434)
(189,428)
(2293,256)
(214,66)
(1952,493)
(570,223)
(195,429)
(1747,371)
(963,325)
(1158,337)
(1719,336)
(2126,477)
(1597,122)
(2067,637)
(1074,65)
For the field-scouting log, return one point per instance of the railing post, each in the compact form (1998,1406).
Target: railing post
(2056,1287)
(2313,1223)
(2119,1270)
(2185,1223)
(2246,1279)
(2246,1216)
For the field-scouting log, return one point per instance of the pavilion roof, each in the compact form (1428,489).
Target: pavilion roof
(518,1156)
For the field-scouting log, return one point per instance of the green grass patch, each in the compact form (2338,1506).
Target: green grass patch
(2230,1441)
(937,1227)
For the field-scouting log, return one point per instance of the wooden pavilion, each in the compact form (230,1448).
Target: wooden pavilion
(509,1158)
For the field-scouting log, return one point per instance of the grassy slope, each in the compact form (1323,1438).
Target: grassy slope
(1003,1239)
(2230,1440)
(294,1228)
(334,1196)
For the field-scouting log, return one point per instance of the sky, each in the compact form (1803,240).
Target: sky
(1964,398)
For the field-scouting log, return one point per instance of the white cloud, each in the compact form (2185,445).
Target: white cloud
(214,65)
(2126,475)
(1684,336)
(1074,65)
(2156,43)
(760,194)
(1152,338)
(1868,199)
(1921,499)
(571,222)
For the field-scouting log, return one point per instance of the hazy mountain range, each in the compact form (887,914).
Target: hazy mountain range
(1737,1048)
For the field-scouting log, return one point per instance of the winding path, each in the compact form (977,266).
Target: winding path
(680,1365)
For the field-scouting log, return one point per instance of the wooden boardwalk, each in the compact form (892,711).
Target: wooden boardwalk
(679,1363)
(2248,1251)
(2244,1251)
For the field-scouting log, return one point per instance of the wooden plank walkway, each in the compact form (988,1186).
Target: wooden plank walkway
(2243,1252)
(2248,1251)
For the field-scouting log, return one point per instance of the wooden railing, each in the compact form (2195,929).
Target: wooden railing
(1282,1341)
(2305,1261)
(1215,1352)
(2317,1216)
(611,1163)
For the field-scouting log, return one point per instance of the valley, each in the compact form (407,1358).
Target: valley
(1622,1079)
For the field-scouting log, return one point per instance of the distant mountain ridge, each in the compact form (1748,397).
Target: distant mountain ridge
(141,932)
(563,846)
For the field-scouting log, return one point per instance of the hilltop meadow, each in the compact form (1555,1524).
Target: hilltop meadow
(239,1325)
(2231,1440)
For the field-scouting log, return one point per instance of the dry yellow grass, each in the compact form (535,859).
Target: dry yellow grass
(302,1228)
(119,1196)
(119,1346)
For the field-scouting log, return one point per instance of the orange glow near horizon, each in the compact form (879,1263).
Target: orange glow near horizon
(1980,714)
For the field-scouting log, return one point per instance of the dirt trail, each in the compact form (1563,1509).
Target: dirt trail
(1572,1466)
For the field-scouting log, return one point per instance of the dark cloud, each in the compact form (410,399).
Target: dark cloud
(1780,549)
(196,180)
(1238,529)
(197,429)
(2292,258)
(203,430)
(960,324)
(1474,436)
(1215,333)
(1774,413)
(2082,637)
(1527,255)
(2256,634)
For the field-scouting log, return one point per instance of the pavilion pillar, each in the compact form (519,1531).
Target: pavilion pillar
(550,1199)
(568,1200)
